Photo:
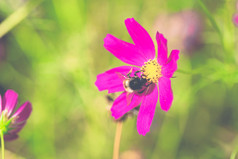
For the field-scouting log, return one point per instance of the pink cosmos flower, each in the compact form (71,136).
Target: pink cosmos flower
(155,71)
(12,119)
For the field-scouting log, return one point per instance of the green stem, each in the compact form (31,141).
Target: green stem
(235,151)
(185,72)
(212,20)
(2,144)
(16,17)
(233,154)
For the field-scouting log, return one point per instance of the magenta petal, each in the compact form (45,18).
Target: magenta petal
(141,38)
(124,51)
(162,49)
(1,106)
(147,111)
(165,93)
(23,112)
(120,107)
(235,19)
(111,80)
(10,137)
(10,101)
(171,66)
(16,128)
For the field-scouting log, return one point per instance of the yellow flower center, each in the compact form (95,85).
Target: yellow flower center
(151,71)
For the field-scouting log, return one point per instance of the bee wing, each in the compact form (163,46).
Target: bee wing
(150,88)
(129,97)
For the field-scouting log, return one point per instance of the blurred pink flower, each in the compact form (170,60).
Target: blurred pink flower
(156,72)
(235,19)
(184,29)
(13,119)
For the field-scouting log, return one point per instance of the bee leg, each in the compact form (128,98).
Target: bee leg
(135,73)
(148,84)
(143,76)
(129,74)
(142,91)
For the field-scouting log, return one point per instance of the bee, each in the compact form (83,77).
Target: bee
(136,84)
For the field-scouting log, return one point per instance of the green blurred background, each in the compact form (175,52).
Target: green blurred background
(52,56)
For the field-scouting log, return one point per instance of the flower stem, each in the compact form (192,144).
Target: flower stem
(235,151)
(16,17)
(117,140)
(2,144)
(233,154)
(212,20)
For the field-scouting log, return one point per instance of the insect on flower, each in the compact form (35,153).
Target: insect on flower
(134,84)
(144,82)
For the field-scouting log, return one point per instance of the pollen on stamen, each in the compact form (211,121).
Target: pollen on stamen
(151,71)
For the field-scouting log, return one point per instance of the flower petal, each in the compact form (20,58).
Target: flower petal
(110,79)
(1,106)
(15,128)
(141,38)
(162,49)
(147,111)
(124,51)
(165,93)
(171,66)
(120,107)
(10,101)
(235,19)
(10,137)
(23,112)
